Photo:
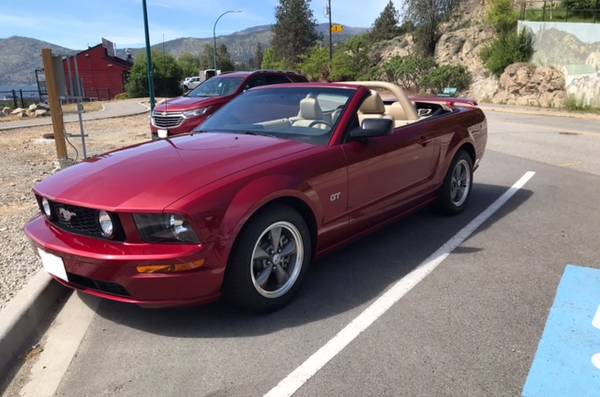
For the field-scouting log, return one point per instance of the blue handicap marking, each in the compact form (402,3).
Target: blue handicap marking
(567,362)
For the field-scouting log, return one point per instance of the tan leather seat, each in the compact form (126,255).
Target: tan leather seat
(398,113)
(372,108)
(310,111)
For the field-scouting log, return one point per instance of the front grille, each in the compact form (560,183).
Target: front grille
(169,120)
(82,220)
(103,286)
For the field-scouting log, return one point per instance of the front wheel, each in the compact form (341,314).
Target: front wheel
(456,190)
(269,260)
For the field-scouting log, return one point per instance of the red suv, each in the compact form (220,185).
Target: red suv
(182,114)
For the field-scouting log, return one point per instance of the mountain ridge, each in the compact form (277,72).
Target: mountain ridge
(20,55)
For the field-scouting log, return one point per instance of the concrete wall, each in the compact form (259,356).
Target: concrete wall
(573,48)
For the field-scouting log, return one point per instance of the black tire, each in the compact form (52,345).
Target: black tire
(446,202)
(241,276)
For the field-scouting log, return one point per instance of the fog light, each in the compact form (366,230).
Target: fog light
(46,207)
(179,267)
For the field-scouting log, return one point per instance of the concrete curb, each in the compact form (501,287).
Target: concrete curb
(27,316)
(539,112)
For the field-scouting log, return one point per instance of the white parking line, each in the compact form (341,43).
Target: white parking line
(291,383)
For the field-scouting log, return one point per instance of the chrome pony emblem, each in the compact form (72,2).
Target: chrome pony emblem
(66,214)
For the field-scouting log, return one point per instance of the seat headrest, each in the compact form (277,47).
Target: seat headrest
(310,109)
(373,104)
(397,111)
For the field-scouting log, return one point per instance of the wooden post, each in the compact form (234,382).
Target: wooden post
(58,125)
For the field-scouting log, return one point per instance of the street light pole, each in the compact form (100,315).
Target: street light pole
(149,68)
(330,39)
(215,36)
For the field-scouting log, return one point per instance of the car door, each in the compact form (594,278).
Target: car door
(384,173)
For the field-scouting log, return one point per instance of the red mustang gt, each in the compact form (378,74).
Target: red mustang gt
(240,208)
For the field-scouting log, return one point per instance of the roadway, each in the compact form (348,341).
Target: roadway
(470,328)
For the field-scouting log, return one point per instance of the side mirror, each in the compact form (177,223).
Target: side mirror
(372,128)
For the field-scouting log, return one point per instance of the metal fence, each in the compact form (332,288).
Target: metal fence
(19,98)
(556,11)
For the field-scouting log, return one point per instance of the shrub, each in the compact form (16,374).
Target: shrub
(315,64)
(502,16)
(408,71)
(351,60)
(443,76)
(270,60)
(167,75)
(122,95)
(579,4)
(507,49)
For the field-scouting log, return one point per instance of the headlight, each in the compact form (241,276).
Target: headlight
(106,225)
(164,228)
(46,207)
(195,113)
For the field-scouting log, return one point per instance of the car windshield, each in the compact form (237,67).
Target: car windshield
(217,86)
(306,114)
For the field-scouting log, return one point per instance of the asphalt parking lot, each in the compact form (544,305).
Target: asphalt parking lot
(470,328)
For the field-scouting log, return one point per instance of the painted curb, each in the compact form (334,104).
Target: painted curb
(27,316)
(539,112)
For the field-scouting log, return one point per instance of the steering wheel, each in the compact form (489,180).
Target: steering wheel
(317,122)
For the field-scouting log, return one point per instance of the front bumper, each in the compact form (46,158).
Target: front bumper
(108,269)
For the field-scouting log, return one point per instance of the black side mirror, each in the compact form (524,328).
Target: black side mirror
(372,128)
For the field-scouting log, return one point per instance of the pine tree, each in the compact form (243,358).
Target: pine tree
(258,56)
(386,25)
(224,62)
(294,30)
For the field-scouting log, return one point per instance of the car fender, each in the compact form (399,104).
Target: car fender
(257,194)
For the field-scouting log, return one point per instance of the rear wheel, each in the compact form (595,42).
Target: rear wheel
(269,260)
(456,190)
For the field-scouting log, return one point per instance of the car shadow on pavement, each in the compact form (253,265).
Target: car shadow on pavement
(346,279)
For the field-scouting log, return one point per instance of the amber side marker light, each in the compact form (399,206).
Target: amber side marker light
(179,267)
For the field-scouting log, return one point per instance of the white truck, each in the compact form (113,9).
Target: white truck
(189,83)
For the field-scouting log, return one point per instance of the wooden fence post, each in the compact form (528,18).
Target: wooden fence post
(58,125)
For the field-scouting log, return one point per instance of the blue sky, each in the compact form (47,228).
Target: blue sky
(79,23)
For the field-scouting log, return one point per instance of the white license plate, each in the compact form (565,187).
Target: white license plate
(163,133)
(53,264)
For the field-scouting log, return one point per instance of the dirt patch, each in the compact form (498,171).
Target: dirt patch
(26,159)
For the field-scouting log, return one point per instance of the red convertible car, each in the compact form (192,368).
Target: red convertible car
(240,208)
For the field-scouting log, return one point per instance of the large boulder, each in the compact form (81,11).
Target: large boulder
(17,111)
(525,84)
(383,51)
(462,47)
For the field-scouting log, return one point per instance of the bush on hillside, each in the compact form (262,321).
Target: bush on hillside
(507,49)
(443,76)
(315,64)
(408,71)
(351,60)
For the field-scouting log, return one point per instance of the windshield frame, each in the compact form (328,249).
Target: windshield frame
(351,92)
(241,79)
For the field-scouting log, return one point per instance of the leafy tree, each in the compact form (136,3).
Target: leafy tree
(386,24)
(351,60)
(408,71)
(315,64)
(443,76)
(426,15)
(224,62)
(167,75)
(502,16)
(189,64)
(507,49)
(294,30)
(271,61)
(258,57)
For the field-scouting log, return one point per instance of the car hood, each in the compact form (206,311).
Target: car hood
(153,175)
(185,103)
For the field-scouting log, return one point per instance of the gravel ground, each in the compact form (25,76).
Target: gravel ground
(28,158)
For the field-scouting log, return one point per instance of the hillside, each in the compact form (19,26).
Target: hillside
(242,44)
(19,56)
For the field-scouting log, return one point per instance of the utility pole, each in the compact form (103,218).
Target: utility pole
(58,126)
(330,39)
(215,36)
(149,69)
